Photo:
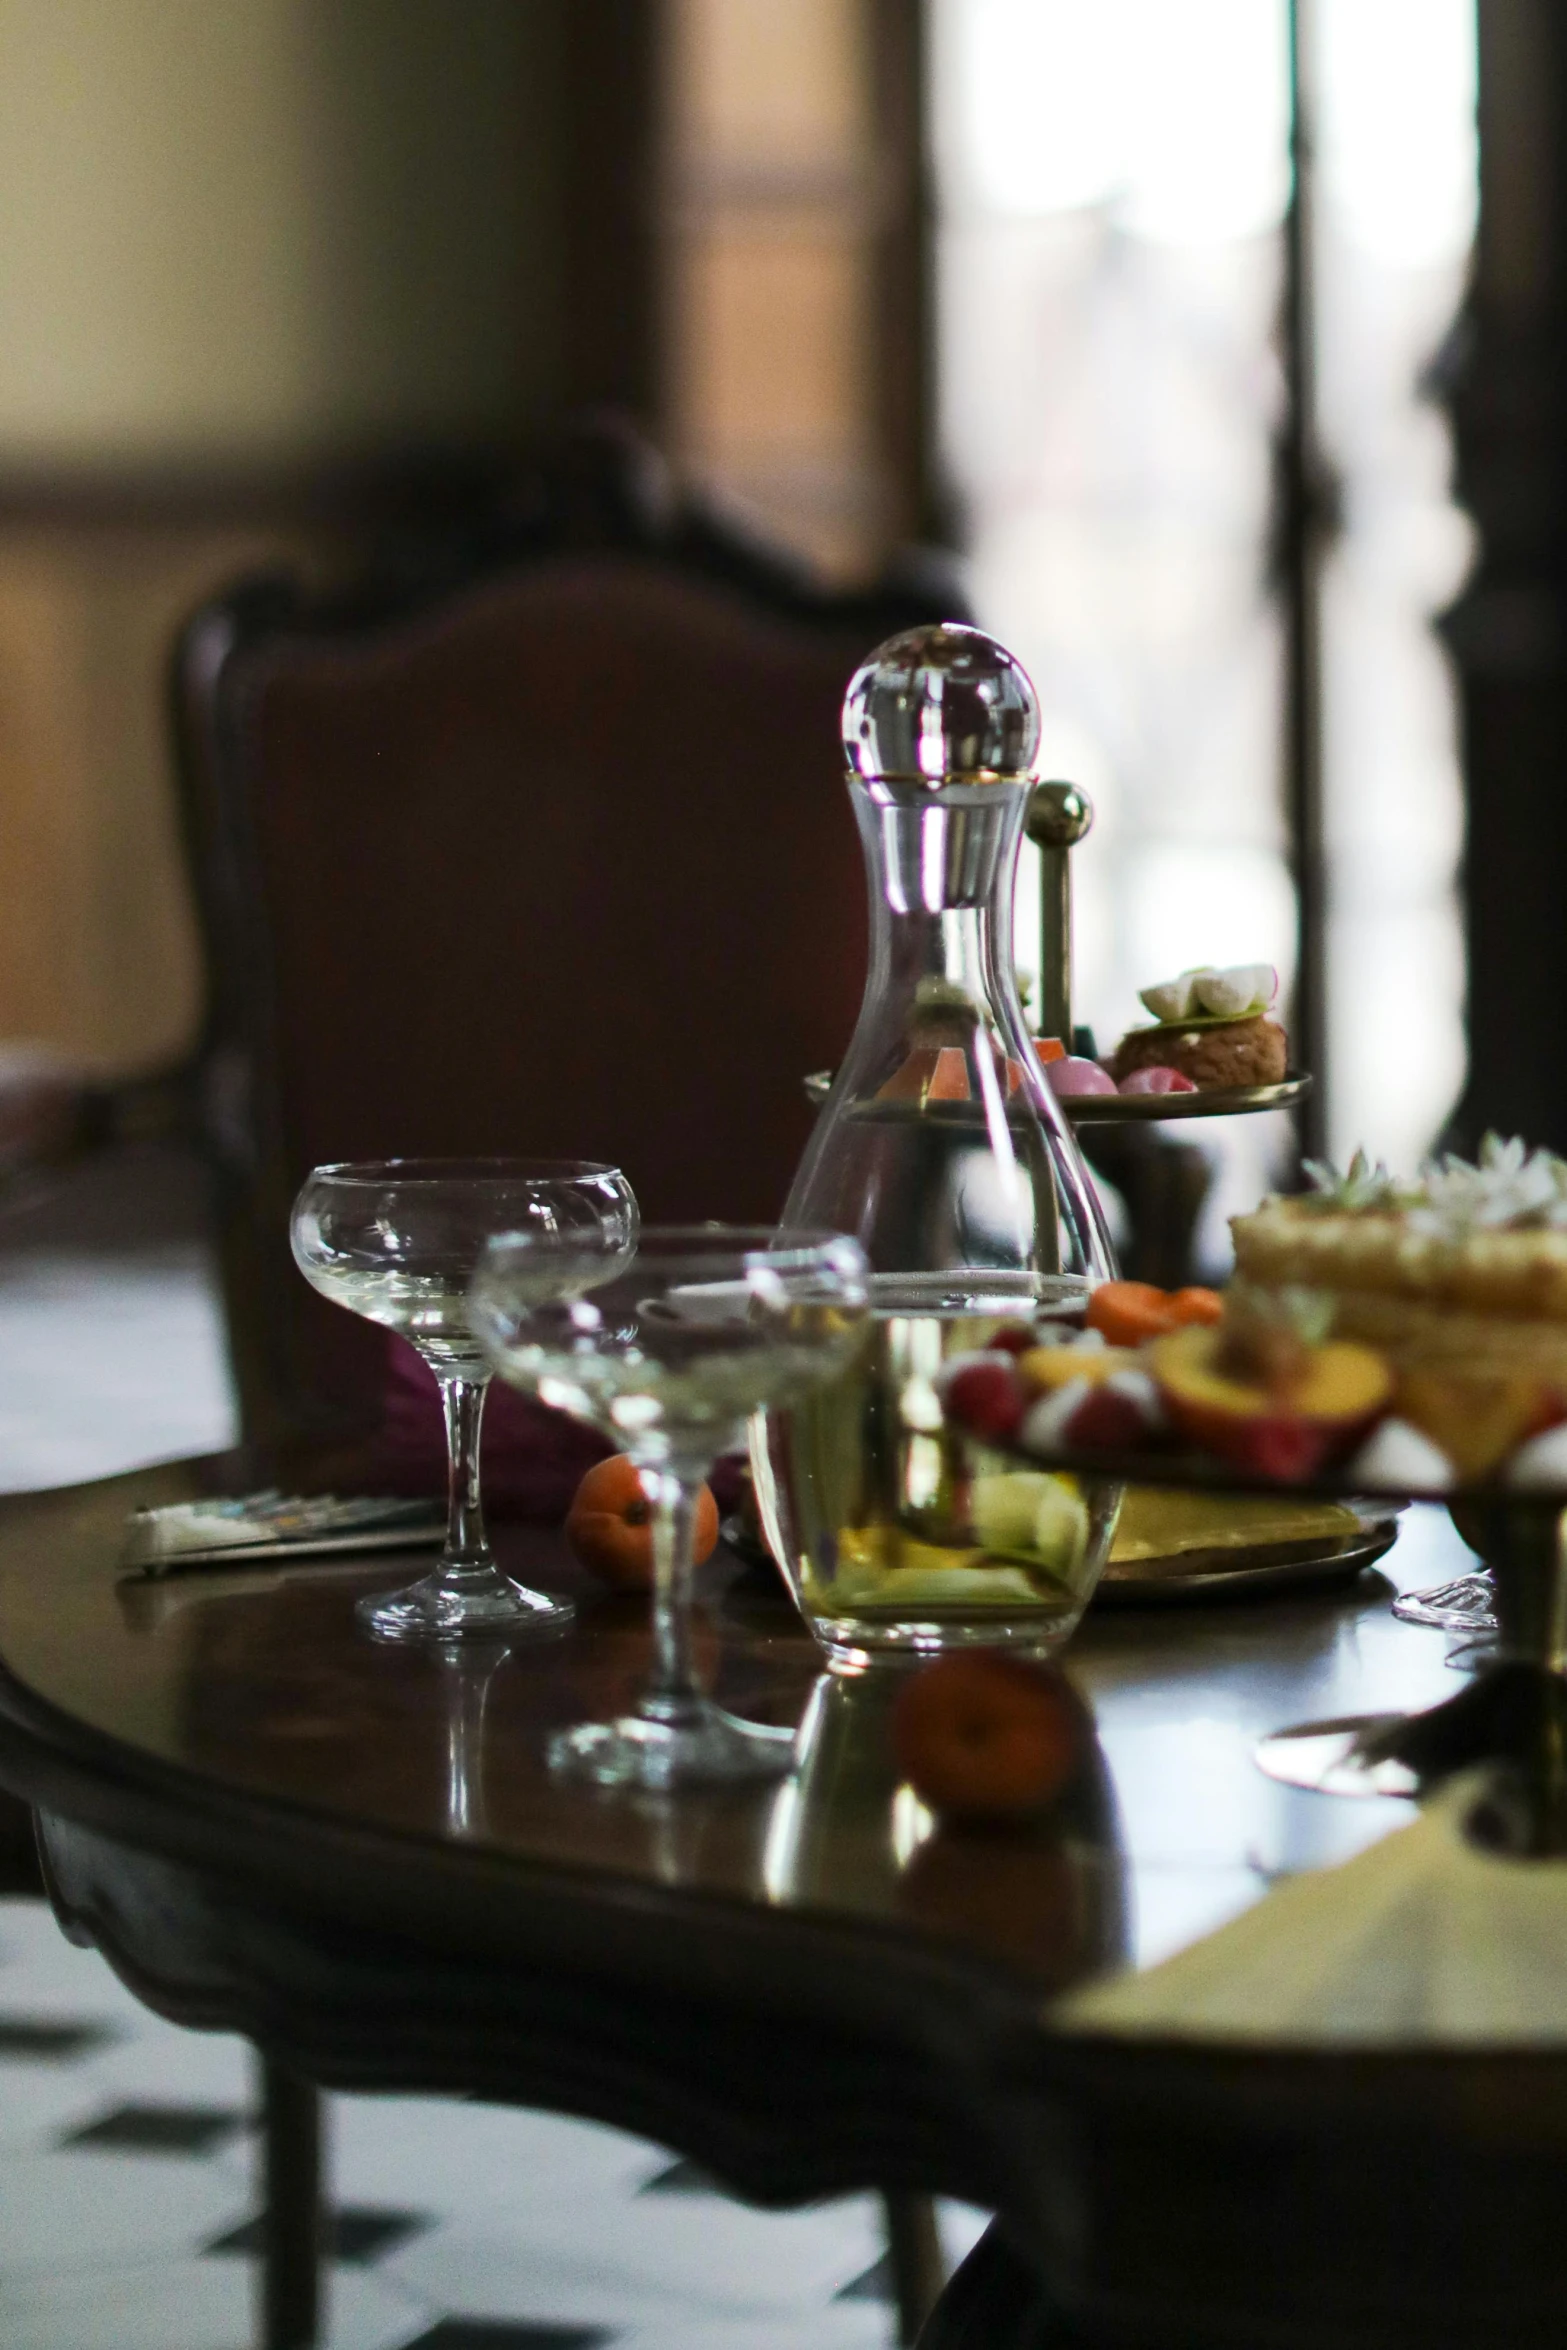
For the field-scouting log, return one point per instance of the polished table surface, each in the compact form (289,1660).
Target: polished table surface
(354,1852)
(258,1683)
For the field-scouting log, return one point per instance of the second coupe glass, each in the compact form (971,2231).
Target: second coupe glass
(397,1241)
(670,1354)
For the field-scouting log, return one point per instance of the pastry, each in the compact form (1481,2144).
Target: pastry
(1458,1279)
(1464,1258)
(1211,1027)
(1250,1051)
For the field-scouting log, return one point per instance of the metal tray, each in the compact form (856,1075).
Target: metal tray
(1217,1101)
(1122,1109)
(1203,1575)
(1250,1574)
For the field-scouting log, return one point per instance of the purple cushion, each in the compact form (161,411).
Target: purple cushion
(533,1458)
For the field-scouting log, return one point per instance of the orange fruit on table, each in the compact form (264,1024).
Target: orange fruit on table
(610,1525)
(985,1736)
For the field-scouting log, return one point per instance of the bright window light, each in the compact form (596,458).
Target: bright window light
(1174,115)
(1111,178)
(1396,97)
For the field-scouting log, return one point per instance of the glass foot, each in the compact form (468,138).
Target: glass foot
(1512,1712)
(705,1748)
(471,1604)
(1467,1604)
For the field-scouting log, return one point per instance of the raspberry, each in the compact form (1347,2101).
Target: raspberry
(1287,1448)
(1017,1338)
(987,1398)
(1107,1422)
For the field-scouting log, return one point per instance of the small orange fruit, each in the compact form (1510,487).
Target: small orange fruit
(986,1736)
(610,1525)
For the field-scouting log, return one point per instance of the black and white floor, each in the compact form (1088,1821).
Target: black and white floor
(127,2206)
(127,2198)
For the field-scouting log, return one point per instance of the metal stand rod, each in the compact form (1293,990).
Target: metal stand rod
(914,2258)
(1058,817)
(1306,520)
(292,2216)
(1055,945)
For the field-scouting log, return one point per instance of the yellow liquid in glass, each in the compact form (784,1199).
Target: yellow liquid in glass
(898,1532)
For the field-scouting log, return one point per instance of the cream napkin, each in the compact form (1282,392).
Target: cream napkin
(1424,1939)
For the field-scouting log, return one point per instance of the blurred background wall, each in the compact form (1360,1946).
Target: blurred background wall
(277,275)
(267,267)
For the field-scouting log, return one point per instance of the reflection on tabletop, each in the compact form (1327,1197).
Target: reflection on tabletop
(1047,1893)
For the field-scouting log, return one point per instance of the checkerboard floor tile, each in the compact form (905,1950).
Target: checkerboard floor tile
(355,2236)
(128,2216)
(475,2333)
(159,2129)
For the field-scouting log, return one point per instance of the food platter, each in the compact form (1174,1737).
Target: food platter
(1198,1576)
(1217,1101)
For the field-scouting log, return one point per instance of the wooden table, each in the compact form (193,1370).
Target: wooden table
(352,1854)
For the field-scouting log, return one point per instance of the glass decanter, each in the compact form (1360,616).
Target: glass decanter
(942,1149)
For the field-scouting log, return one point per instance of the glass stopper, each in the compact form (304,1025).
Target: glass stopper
(941,704)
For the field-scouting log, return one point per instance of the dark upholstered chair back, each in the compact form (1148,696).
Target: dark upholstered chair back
(550,854)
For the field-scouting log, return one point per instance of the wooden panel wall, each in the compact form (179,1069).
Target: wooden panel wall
(247,242)
(98,957)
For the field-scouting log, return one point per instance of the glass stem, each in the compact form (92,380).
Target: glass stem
(672,1694)
(462,1403)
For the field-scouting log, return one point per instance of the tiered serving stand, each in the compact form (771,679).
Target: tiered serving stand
(1059,816)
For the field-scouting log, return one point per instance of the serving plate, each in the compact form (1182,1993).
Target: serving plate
(1216,1101)
(1118,1109)
(1189,1578)
(1192,1577)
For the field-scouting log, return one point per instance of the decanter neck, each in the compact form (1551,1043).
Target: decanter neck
(941,875)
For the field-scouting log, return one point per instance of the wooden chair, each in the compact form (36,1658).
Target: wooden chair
(537,843)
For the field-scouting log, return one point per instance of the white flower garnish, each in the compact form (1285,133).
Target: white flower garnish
(1512,1189)
(1226,995)
(1173,999)
(1364,1188)
(1244,987)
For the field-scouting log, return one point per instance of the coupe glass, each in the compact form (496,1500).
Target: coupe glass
(670,1353)
(397,1241)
